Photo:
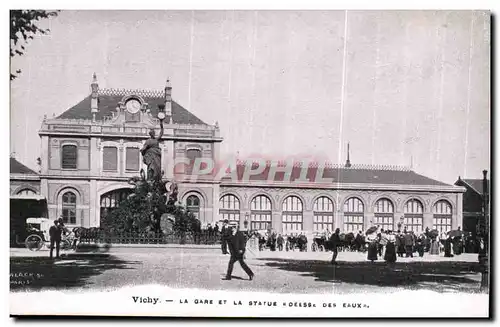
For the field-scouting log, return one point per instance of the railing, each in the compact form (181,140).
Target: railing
(89,236)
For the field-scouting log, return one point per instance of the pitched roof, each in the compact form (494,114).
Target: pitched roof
(476,184)
(353,175)
(109,99)
(18,168)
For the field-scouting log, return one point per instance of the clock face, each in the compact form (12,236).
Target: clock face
(133,106)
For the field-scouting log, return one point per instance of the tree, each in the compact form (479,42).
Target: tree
(24,27)
(140,213)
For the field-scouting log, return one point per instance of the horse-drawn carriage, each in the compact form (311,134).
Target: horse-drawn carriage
(320,242)
(38,235)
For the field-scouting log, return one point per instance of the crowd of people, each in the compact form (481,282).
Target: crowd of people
(389,245)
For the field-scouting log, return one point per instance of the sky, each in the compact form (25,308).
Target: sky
(401,87)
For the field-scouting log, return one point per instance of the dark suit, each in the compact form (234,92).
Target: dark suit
(55,233)
(225,234)
(237,245)
(334,243)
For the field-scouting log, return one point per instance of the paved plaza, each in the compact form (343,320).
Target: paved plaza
(284,272)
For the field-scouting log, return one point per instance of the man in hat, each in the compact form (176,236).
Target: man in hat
(55,232)
(334,244)
(237,245)
(225,234)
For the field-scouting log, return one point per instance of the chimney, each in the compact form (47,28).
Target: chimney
(95,97)
(348,161)
(168,101)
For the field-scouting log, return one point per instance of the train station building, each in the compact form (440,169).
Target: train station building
(92,149)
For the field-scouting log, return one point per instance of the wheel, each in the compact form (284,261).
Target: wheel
(322,248)
(34,242)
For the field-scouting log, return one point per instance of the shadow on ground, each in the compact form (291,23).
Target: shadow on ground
(37,273)
(436,276)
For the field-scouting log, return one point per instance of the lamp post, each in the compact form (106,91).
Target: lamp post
(484,235)
(245,223)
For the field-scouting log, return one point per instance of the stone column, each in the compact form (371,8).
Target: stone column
(276,221)
(428,221)
(94,206)
(215,206)
(457,219)
(95,157)
(44,155)
(368,221)
(168,158)
(307,221)
(339,220)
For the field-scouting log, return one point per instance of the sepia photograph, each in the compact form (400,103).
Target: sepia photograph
(250,163)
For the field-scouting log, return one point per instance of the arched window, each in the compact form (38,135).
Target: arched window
(442,216)
(292,215)
(260,213)
(69,156)
(111,200)
(26,192)
(69,208)
(384,214)
(230,208)
(353,215)
(193,205)
(414,216)
(323,214)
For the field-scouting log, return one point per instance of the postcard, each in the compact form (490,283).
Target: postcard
(250,163)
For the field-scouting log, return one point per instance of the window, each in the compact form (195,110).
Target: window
(414,216)
(192,155)
(323,214)
(384,214)
(230,208)
(260,213)
(26,192)
(132,159)
(292,215)
(69,208)
(111,200)
(353,215)
(69,156)
(110,158)
(442,216)
(193,205)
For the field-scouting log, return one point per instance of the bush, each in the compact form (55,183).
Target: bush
(142,210)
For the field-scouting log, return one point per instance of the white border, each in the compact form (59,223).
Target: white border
(189,4)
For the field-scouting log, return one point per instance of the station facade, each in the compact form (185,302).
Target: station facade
(91,150)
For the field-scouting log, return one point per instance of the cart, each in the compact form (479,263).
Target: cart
(38,235)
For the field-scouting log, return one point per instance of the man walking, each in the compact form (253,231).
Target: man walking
(237,245)
(55,232)
(335,243)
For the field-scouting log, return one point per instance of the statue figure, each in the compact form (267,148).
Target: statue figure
(151,154)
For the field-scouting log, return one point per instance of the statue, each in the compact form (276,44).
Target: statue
(151,154)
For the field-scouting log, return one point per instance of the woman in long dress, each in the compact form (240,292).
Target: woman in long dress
(372,246)
(434,250)
(390,248)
